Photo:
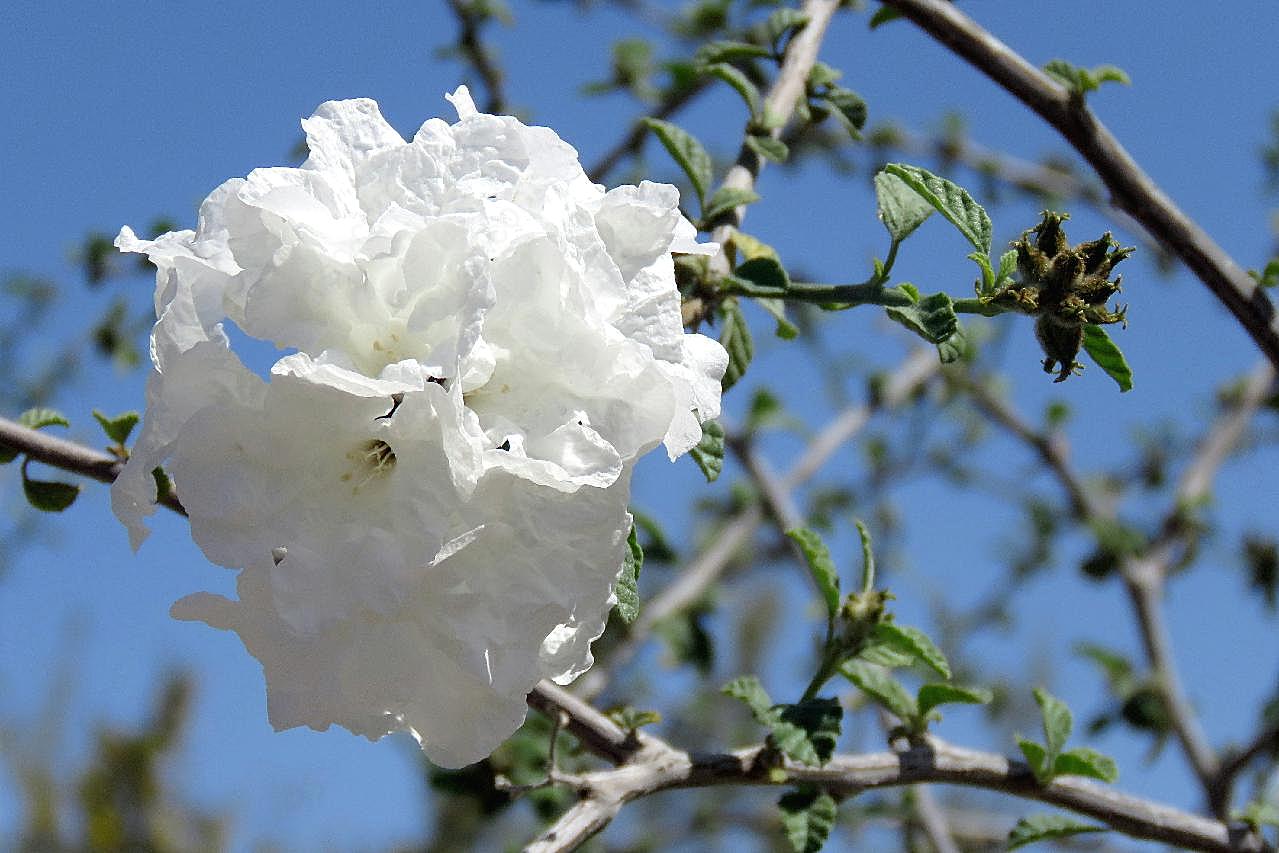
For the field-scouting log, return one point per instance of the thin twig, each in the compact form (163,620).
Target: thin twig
(471,18)
(69,456)
(1130,188)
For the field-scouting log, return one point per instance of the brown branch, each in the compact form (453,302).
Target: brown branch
(69,456)
(471,18)
(1130,188)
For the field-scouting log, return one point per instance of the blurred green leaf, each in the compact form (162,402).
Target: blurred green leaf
(820,566)
(932,695)
(914,642)
(735,337)
(687,152)
(627,589)
(1044,827)
(709,452)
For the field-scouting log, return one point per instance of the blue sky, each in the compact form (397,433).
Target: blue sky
(117,113)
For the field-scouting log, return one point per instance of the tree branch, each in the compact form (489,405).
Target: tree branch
(471,17)
(934,761)
(1131,189)
(69,456)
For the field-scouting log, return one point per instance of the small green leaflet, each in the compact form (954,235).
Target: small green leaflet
(763,276)
(1042,827)
(883,15)
(709,452)
(1056,719)
(781,22)
(735,337)
(748,690)
(118,428)
(726,199)
(932,695)
(933,318)
(1037,758)
(39,418)
(1107,355)
(786,330)
(950,200)
(1257,814)
(688,153)
(1081,81)
(740,83)
(880,685)
(805,732)
(820,566)
(868,557)
(901,209)
(914,642)
(630,718)
(726,51)
(1083,761)
(627,589)
(808,816)
(47,496)
(768,147)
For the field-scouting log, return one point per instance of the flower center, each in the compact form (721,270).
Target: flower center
(371,461)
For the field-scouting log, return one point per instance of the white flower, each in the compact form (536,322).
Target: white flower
(427,498)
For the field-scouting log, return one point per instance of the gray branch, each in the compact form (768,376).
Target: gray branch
(1130,188)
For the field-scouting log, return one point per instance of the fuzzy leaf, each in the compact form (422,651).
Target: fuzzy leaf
(747,689)
(766,276)
(740,83)
(627,589)
(915,643)
(1082,761)
(39,418)
(786,330)
(709,452)
(883,15)
(880,685)
(933,318)
(808,816)
(901,209)
(820,566)
(768,147)
(950,200)
(688,153)
(781,22)
(1037,758)
(884,655)
(1107,355)
(807,731)
(119,427)
(932,695)
(726,51)
(1042,827)
(1057,721)
(726,199)
(735,337)
(48,496)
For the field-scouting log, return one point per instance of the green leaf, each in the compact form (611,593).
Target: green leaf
(1269,276)
(740,83)
(726,51)
(913,642)
(781,22)
(688,153)
(808,816)
(880,685)
(807,731)
(768,147)
(950,200)
(627,590)
(1037,758)
(1082,761)
(709,452)
(820,566)
(48,496)
(752,247)
(883,15)
(868,556)
(1007,266)
(932,695)
(735,337)
(956,347)
(747,689)
(885,655)
(766,274)
(1081,81)
(630,718)
(786,330)
(850,109)
(933,318)
(7,454)
(1257,814)
(1107,355)
(1042,827)
(726,199)
(39,418)
(821,75)
(1057,721)
(163,485)
(901,209)
(119,427)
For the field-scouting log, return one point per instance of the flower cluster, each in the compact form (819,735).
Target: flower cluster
(427,497)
